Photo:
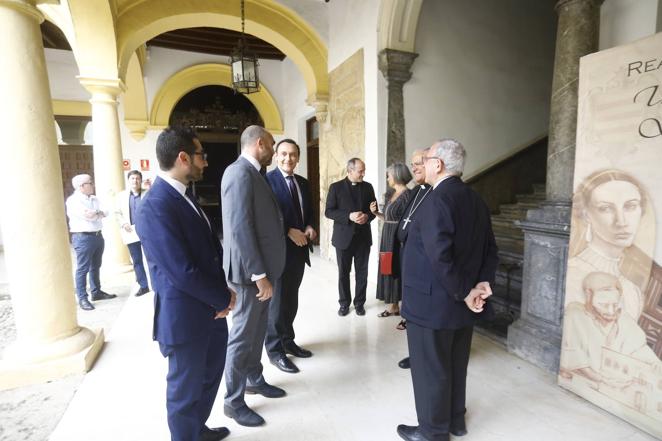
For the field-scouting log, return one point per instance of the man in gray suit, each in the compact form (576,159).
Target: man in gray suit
(253,259)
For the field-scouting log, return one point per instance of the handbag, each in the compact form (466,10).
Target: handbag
(386,263)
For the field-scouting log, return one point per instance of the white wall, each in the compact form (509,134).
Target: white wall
(314,12)
(483,76)
(62,73)
(624,21)
(353,26)
(295,111)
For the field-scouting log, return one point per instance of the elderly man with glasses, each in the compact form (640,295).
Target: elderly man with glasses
(449,261)
(85,214)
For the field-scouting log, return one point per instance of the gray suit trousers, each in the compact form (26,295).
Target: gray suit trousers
(245,340)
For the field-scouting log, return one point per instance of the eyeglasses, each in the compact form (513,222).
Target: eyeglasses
(416,164)
(87,183)
(425,158)
(202,154)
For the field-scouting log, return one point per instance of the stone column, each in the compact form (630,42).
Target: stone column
(395,66)
(49,342)
(108,172)
(536,336)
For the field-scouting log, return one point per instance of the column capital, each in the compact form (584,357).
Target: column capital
(395,65)
(27,7)
(103,89)
(321,104)
(561,3)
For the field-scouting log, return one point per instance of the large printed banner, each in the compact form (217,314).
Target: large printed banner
(612,325)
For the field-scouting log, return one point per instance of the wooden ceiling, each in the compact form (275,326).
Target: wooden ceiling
(213,41)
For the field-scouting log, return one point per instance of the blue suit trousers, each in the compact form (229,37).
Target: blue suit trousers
(195,369)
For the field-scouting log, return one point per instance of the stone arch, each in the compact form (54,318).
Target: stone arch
(398,21)
(210,74)
(138,21)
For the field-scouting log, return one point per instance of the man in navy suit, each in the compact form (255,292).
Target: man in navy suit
(348,204)
(192,298)
(294,200)
(449,260)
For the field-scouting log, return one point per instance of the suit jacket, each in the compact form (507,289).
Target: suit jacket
(450,247)
(339,204)
(184,259)
(282,191)
(253,232)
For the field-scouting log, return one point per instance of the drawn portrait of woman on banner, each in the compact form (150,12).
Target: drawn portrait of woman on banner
(613,231)
(613,288)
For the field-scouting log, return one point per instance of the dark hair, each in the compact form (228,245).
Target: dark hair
(134,172)
(289,141)
(172,141)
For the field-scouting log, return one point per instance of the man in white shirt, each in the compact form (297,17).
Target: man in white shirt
(85,214)
(127,206)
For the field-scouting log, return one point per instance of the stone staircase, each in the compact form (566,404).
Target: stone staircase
(507,295)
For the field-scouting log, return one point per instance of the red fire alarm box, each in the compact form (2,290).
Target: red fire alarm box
(126,164)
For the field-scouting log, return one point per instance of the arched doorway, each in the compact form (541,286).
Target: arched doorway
(219,116)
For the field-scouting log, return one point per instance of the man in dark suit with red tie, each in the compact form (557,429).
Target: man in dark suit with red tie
(449,261)
(294,200)
(348,204)
(191,296)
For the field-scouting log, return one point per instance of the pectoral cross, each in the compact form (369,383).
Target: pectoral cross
(406,221)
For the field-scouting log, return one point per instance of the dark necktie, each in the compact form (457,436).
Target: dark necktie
(192,198)
(295,200)
(263,172)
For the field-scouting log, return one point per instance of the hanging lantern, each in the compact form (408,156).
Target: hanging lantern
(245,77)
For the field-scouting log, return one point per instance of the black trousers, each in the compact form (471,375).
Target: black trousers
(284,304)
(439,360)
(359,251)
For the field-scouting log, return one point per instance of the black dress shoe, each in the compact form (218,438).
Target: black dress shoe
(458,431)
(411,433)
(404,363)
(458,428)
(360,310)
(244,416)
(85,305)
(297,351)
(285,364)
(141,292)
(266,390)
(343,311)
(215,434)
(102,296)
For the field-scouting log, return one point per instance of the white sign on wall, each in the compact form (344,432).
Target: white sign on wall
(612,324)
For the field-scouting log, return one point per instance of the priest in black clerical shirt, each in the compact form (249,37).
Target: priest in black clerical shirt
(348,204)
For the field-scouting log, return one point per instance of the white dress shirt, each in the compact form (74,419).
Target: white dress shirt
(76,205)
(181,189)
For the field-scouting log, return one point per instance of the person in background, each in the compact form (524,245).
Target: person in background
(126,207)
(348,205)
(396,200)
(85,222)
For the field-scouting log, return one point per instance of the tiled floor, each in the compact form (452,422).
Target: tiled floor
(350,390)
